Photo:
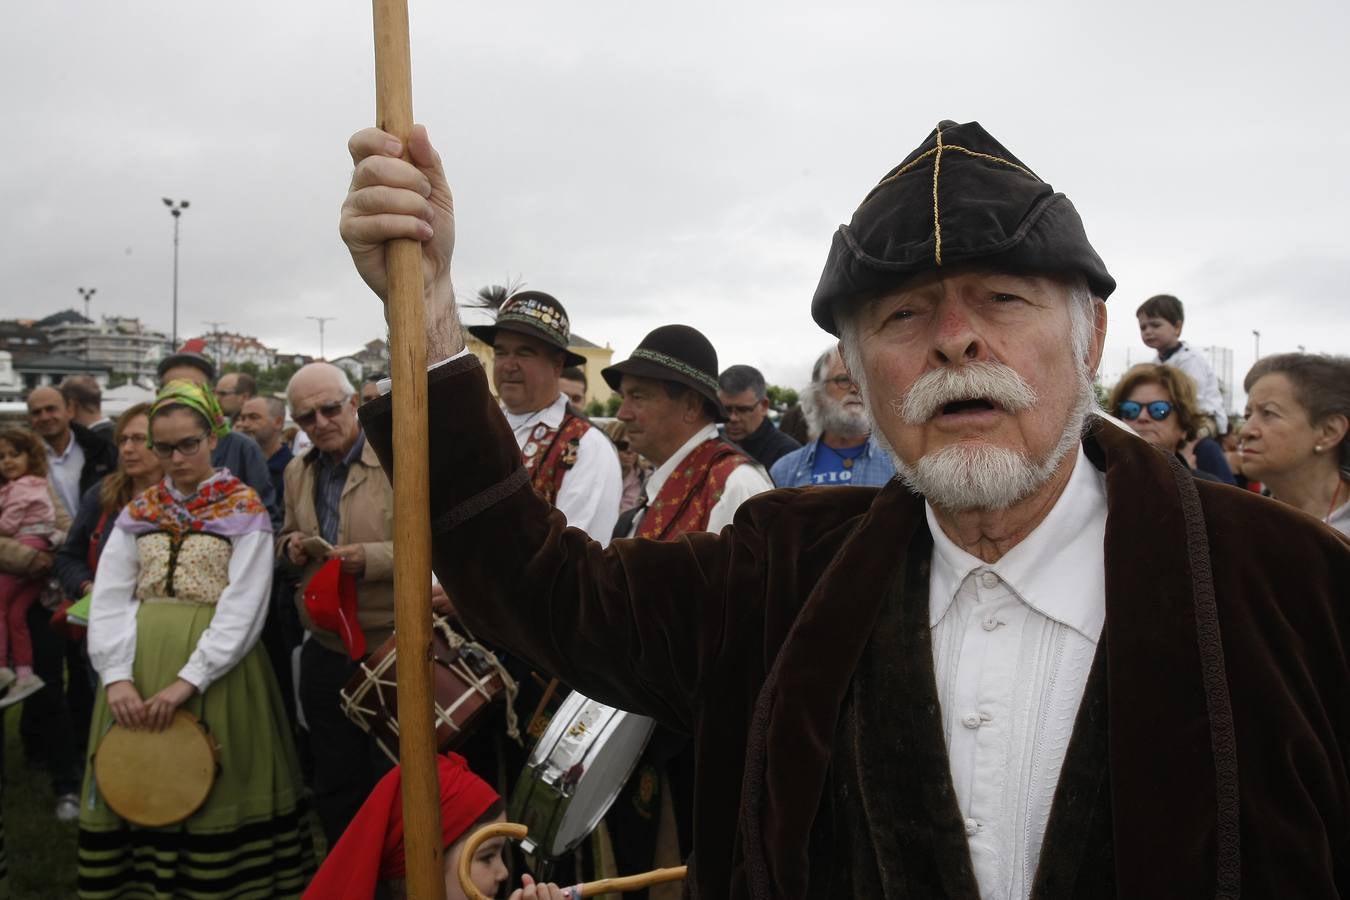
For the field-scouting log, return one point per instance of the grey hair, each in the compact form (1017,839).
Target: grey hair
(339,376)
(740,378)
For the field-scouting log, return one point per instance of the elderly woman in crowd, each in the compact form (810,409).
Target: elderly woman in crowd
(179,602)
(1159,403)
(1294,439)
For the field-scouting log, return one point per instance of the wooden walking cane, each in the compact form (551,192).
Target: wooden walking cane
(412,518)
(589,889)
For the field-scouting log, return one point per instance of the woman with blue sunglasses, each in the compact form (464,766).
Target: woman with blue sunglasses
(1159,403)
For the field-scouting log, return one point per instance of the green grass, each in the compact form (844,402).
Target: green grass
(40,850)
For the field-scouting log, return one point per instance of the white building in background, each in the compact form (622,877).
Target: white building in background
(118,344)
(228,348)
(11,385)
(1220,360)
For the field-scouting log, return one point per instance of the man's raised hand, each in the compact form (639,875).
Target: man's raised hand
(391,198)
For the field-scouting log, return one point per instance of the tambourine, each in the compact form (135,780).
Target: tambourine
(157,778)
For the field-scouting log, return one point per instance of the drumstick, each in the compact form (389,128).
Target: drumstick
(543,701)
(412,516)
(589,889)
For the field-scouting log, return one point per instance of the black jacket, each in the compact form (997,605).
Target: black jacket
(100,458)
(766,444)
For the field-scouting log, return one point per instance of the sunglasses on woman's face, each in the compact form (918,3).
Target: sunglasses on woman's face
(1157,410)
(622,446)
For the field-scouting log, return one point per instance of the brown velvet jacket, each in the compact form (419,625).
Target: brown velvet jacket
(1210,753)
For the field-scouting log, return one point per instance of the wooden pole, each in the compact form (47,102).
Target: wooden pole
(412,519)
(589,889)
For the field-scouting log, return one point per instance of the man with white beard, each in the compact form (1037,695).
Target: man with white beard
(1046,664)
(844,452)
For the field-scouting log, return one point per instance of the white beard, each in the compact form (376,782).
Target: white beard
(975,475)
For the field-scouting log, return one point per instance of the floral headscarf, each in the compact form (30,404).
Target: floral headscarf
(198,398)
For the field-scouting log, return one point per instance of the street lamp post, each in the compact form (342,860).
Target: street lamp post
(176,210)
(321,320)
(1258,342)
(86,294)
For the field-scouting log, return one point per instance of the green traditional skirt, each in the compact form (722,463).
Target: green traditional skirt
(251,838)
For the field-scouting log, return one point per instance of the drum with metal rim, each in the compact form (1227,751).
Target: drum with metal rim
(575,772)
(157,778)
(466,678)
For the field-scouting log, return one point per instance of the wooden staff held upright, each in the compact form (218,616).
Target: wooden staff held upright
(412,519)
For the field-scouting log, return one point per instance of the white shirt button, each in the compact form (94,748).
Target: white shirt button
(972,720)
(972,827)
(989,623)
(989,579)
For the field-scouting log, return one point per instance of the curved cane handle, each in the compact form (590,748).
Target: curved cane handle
(486,833)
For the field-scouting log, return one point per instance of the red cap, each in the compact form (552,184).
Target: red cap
(371,849)
(330,600)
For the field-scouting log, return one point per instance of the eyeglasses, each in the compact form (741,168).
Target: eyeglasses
(185,447)
(740,410)
(621,446)
(1157,410)
(327,410)
(840,381)
(132,438)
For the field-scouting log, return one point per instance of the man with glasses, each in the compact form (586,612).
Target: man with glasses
(337,492)
(236,452)
(844,452)
(742,391)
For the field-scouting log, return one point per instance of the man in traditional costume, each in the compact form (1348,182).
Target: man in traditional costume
(671,411)
(1043,663)
(572,465)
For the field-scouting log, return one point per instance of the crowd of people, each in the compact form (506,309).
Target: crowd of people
(244,577)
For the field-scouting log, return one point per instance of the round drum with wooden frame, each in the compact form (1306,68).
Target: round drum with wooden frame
(466,679)
(157,778)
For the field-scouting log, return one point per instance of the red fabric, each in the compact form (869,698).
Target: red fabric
(330,599)
(686,500)
(549,465)
(371,849)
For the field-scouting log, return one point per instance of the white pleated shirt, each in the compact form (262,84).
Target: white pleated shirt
(591,489)
(1013,642)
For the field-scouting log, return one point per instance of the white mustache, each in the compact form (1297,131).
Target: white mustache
(990,381)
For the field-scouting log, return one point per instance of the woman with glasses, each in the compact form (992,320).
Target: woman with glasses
(1294,437)
(76,561)
(179,601)
(1159,403)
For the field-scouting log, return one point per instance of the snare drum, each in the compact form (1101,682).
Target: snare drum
(466,678)
(157,778)
(575,772)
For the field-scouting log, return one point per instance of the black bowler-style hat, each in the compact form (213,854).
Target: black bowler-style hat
(184,358)
(673,353)
(533,314)
(959,198)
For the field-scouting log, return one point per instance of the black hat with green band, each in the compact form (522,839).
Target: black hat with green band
(675,353)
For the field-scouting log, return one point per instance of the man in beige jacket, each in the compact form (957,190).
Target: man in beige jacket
(337,492)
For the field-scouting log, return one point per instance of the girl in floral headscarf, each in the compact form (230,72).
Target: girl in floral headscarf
(179,602)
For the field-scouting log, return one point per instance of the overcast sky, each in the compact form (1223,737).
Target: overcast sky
(649,163)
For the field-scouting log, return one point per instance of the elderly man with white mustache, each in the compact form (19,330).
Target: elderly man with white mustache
(844,451)
(1042,663)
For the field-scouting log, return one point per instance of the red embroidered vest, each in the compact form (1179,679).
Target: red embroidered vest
(686,500)
(549,455)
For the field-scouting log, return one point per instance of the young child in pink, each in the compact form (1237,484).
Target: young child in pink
(28,516)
